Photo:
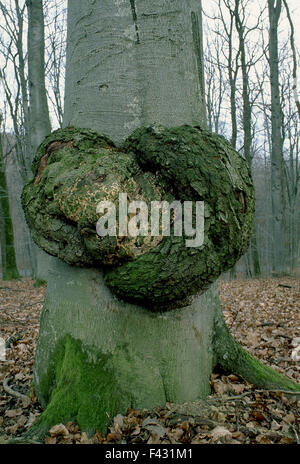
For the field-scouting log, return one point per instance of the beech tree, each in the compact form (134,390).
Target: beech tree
(16,99)
(292,166)
(8,258)
(38,112)
(26,102)
(39,119)
(130,323)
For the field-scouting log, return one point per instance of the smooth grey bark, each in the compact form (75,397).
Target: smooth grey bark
(141,68)
(157,357)
(38,111)
(22,238)
(39,120)
(122,72)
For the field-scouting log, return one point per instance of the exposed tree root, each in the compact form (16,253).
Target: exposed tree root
(20,441)
(232,357)
(12,392)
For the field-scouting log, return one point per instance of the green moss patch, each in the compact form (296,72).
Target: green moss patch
(80,389)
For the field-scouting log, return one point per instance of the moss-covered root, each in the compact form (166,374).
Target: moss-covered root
(232,357)
(83,390)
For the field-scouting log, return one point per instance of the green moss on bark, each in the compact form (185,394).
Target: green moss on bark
(82,388)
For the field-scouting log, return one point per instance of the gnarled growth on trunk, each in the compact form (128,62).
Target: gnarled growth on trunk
(75,169)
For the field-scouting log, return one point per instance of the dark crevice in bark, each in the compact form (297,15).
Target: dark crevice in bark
(196,31)
(134,16)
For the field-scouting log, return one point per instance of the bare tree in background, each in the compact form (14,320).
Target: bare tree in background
(16,107)
(274,9)
(215,85)
(292,166)
(39,119)
(243,65)
(55,47)
(16,90)
(39,113)
(247,62)
(26,96)
(9,268)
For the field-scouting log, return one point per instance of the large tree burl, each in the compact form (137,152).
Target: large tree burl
(74,169)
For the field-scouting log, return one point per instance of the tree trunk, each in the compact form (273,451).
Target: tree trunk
(255,255)
(276,151)
(97,355)
(116,81)
(247,117)
(38,110)
(8,257)
(142,63)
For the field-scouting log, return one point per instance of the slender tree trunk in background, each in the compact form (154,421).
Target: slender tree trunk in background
(39,121)
(232,81)
(232,76)
(247,118)
(16,96)
(8,258)
(38,111)
(294,55)
(2,239)
(276,152)
(23,87)
(293,186)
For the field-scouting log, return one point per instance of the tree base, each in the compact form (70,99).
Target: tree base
(97,356)
(11,275)
(86,391)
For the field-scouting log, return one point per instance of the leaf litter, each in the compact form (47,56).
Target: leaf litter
(264,317)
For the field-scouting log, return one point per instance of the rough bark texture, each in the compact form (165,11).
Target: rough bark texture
(75,170)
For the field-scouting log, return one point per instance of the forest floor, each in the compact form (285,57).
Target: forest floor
(263,315)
